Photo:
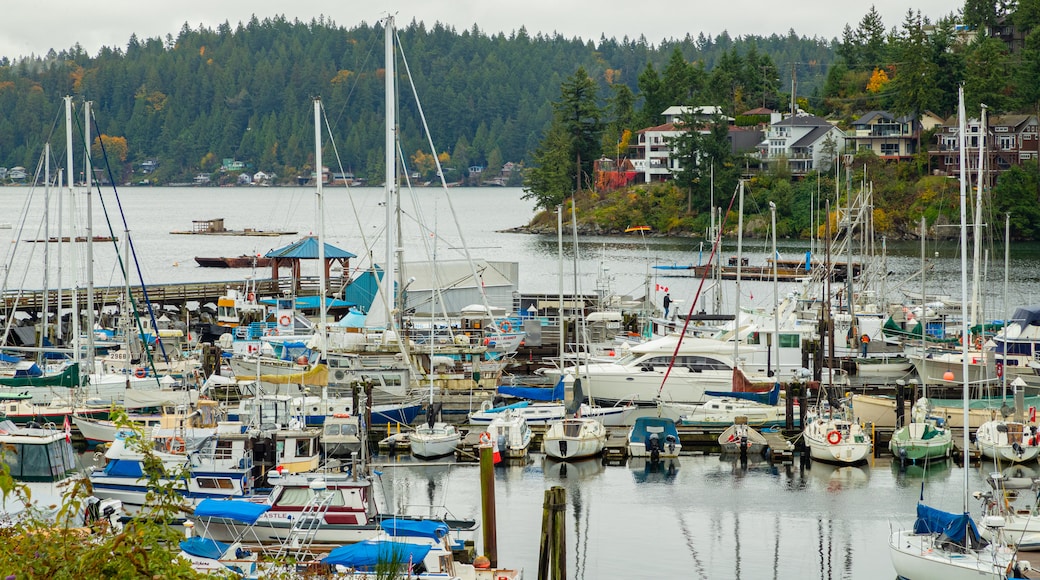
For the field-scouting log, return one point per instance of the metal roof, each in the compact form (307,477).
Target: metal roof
(307,249)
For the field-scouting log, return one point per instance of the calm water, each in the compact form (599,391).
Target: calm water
(698,516)
(703,518)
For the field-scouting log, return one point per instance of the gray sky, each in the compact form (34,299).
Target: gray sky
(34,28)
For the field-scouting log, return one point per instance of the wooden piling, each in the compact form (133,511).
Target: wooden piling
(552,552)
(487,501)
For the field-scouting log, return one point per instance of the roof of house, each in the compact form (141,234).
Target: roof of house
(802,121)
(759,111)
(812,136)
(870,116)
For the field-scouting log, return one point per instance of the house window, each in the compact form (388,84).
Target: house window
(890,148)
(1006,142)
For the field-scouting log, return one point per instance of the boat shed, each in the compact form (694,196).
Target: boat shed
(306,249)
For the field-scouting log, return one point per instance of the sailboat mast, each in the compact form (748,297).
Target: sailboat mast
(323,266)
(962,128)
(1007,313)
(70,181)
(559,253)
(977,230)
(88,172)
(740,258)
(45,321)
(390,271)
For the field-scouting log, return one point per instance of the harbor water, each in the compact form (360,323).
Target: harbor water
(695,517)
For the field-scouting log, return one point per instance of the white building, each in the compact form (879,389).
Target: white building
(806,142)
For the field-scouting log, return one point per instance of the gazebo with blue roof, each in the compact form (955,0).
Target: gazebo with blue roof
(306,249)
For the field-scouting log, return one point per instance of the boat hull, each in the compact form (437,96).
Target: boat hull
(915,557)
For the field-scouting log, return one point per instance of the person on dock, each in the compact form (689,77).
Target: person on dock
(865,341)
(667,303)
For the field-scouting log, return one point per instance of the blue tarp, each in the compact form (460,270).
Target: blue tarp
(124,468)
(535,393)
(204,547)
(415,528)
(643,425)
(959,528)
(246,512)
(519,405)
(369,553)
(311,303)
(770,398)
(9,359)
(362,290)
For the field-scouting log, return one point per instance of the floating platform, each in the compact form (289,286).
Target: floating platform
(243,261)
(215,227)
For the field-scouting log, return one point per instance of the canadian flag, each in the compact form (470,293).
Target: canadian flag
(660,288)
(68,430)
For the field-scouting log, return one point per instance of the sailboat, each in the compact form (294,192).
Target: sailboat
(943,544)
(926,437)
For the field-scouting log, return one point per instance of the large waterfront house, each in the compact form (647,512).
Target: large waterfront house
(652,153)
(1011,140)
(804,142)
(890,137)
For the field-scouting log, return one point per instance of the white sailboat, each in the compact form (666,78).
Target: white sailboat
(942,544)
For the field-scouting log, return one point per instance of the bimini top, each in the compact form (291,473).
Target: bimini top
(371,553)
(246,512)
(415,528)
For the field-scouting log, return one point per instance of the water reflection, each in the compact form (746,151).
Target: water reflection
(838,478)
(564,471)
(646,471)
(912,474)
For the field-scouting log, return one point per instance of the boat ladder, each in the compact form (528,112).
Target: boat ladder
(306,526)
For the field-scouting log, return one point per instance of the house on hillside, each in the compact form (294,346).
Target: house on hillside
(1010,140)
(888,136)
(652,155)
(805,142)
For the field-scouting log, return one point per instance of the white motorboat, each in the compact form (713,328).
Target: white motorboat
(759,410)
(653,437)
(432,441)
(512,433)
(1008,441)
(664,369)
(574,438)
(742,438)
(834,439)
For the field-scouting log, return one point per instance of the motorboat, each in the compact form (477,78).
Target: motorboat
(925,438)
(511,433)
(543,413)
(574,438)
(1008,441)
(653,437)
(341,435)
(721,410)
(671,368)
(430,441)
(742,438)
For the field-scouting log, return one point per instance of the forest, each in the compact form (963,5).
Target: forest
(243,92)
(991,48)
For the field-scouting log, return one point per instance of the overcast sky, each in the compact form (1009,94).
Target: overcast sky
(35,28)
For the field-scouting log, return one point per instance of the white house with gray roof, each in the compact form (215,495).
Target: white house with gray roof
(806,142)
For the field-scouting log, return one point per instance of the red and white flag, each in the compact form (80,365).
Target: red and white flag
(68,430)
(496,456)
(660,288)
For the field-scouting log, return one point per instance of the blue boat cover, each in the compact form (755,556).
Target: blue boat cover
(369,553)
(8,358)
(770,398)
(535,393)
(958,528)
(204,547)
(519,405)
(415,528)
(311,302)
(639,432)
(246,512)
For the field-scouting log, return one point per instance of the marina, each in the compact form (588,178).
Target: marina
(705,514)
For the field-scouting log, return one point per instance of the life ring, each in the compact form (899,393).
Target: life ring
(271,332)
(284,320)
(834,437)
(978,342)
(140,373)
(485,438)
(505,326)
(175,445)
